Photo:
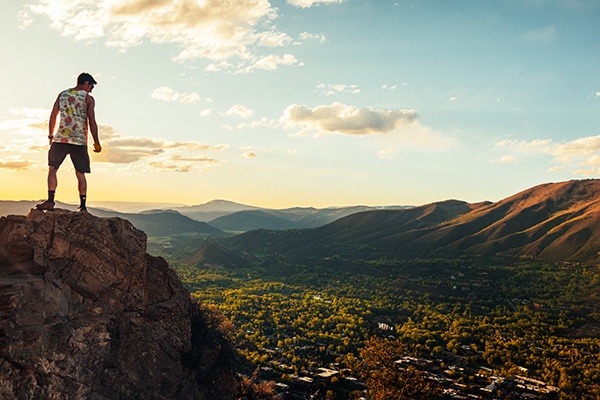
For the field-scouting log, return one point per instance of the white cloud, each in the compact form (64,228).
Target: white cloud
(273,39)
(310,3)
(202,159)
(563,159)
(582,146)
(387,153)
(505,159)
(28,132)
(25,19)
(131,149)
(583,152)
(162,166)
(593,161)
(587,172)
(240,111)
(523,144)
(271,63)
(332,89)
(191,146)
(392,87)
(212,67)
(506,142)
(211,29)
(249,154)
(33,121)
(348,120)
(15,163)
(454,98)
(535,143)
(165,93)
(257,124)
(312,36)
(206,112)
(292,152)
(401,126)
(180,163)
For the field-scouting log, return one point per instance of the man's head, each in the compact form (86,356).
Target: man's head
(85,77)
(86,80)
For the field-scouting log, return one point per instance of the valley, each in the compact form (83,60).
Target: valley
(473,322)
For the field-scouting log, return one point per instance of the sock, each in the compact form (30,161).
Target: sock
(81,200)
(51,195)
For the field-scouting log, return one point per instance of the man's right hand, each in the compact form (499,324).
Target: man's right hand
(97,148)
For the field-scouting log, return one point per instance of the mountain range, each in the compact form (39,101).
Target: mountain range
(554,221)
(210,218)
(230,216)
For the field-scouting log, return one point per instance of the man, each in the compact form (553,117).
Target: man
(76,108)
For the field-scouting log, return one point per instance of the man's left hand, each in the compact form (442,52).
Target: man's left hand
(97,148)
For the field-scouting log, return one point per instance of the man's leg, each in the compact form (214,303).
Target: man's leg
(52,178)
(81,183)
(52,184)
(82,186)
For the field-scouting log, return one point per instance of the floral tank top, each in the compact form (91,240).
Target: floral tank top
(73,118)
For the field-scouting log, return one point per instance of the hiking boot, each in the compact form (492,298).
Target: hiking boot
(82,209)
(47,205)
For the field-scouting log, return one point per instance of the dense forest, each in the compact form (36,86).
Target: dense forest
(477,321)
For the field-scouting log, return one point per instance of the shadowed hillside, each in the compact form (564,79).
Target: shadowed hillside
(212,255)
(555,221)
(249,220)
(156,223)
(352,232)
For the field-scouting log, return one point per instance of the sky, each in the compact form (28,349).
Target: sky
(309,103)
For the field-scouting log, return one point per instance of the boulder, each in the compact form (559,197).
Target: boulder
(86,313)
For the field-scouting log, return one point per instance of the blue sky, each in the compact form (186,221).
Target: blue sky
(306,103)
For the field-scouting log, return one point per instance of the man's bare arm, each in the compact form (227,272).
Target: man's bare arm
(52,122)
(91,113)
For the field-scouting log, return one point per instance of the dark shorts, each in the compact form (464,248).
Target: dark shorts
(79,156)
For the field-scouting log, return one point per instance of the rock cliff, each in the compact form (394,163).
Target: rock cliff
(86,313)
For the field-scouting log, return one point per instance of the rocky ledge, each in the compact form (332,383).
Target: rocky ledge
(86,313)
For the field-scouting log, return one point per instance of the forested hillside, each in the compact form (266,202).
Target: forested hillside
(556,221)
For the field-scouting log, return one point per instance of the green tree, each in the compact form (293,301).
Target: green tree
(377,367)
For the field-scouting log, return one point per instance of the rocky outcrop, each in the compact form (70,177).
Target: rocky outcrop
(85,313)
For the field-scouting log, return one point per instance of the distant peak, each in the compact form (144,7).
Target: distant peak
(220,205)
(221,201)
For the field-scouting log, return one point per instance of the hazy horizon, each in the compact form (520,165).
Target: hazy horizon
(306,103)
(123,206)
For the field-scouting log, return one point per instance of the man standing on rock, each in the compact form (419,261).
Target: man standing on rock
(76,108)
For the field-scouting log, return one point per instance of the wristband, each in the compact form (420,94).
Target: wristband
(50,137)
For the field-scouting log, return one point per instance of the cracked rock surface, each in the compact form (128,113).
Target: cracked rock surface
(85,313)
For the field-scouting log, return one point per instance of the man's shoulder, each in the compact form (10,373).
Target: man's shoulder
(67,92)
(72,92)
